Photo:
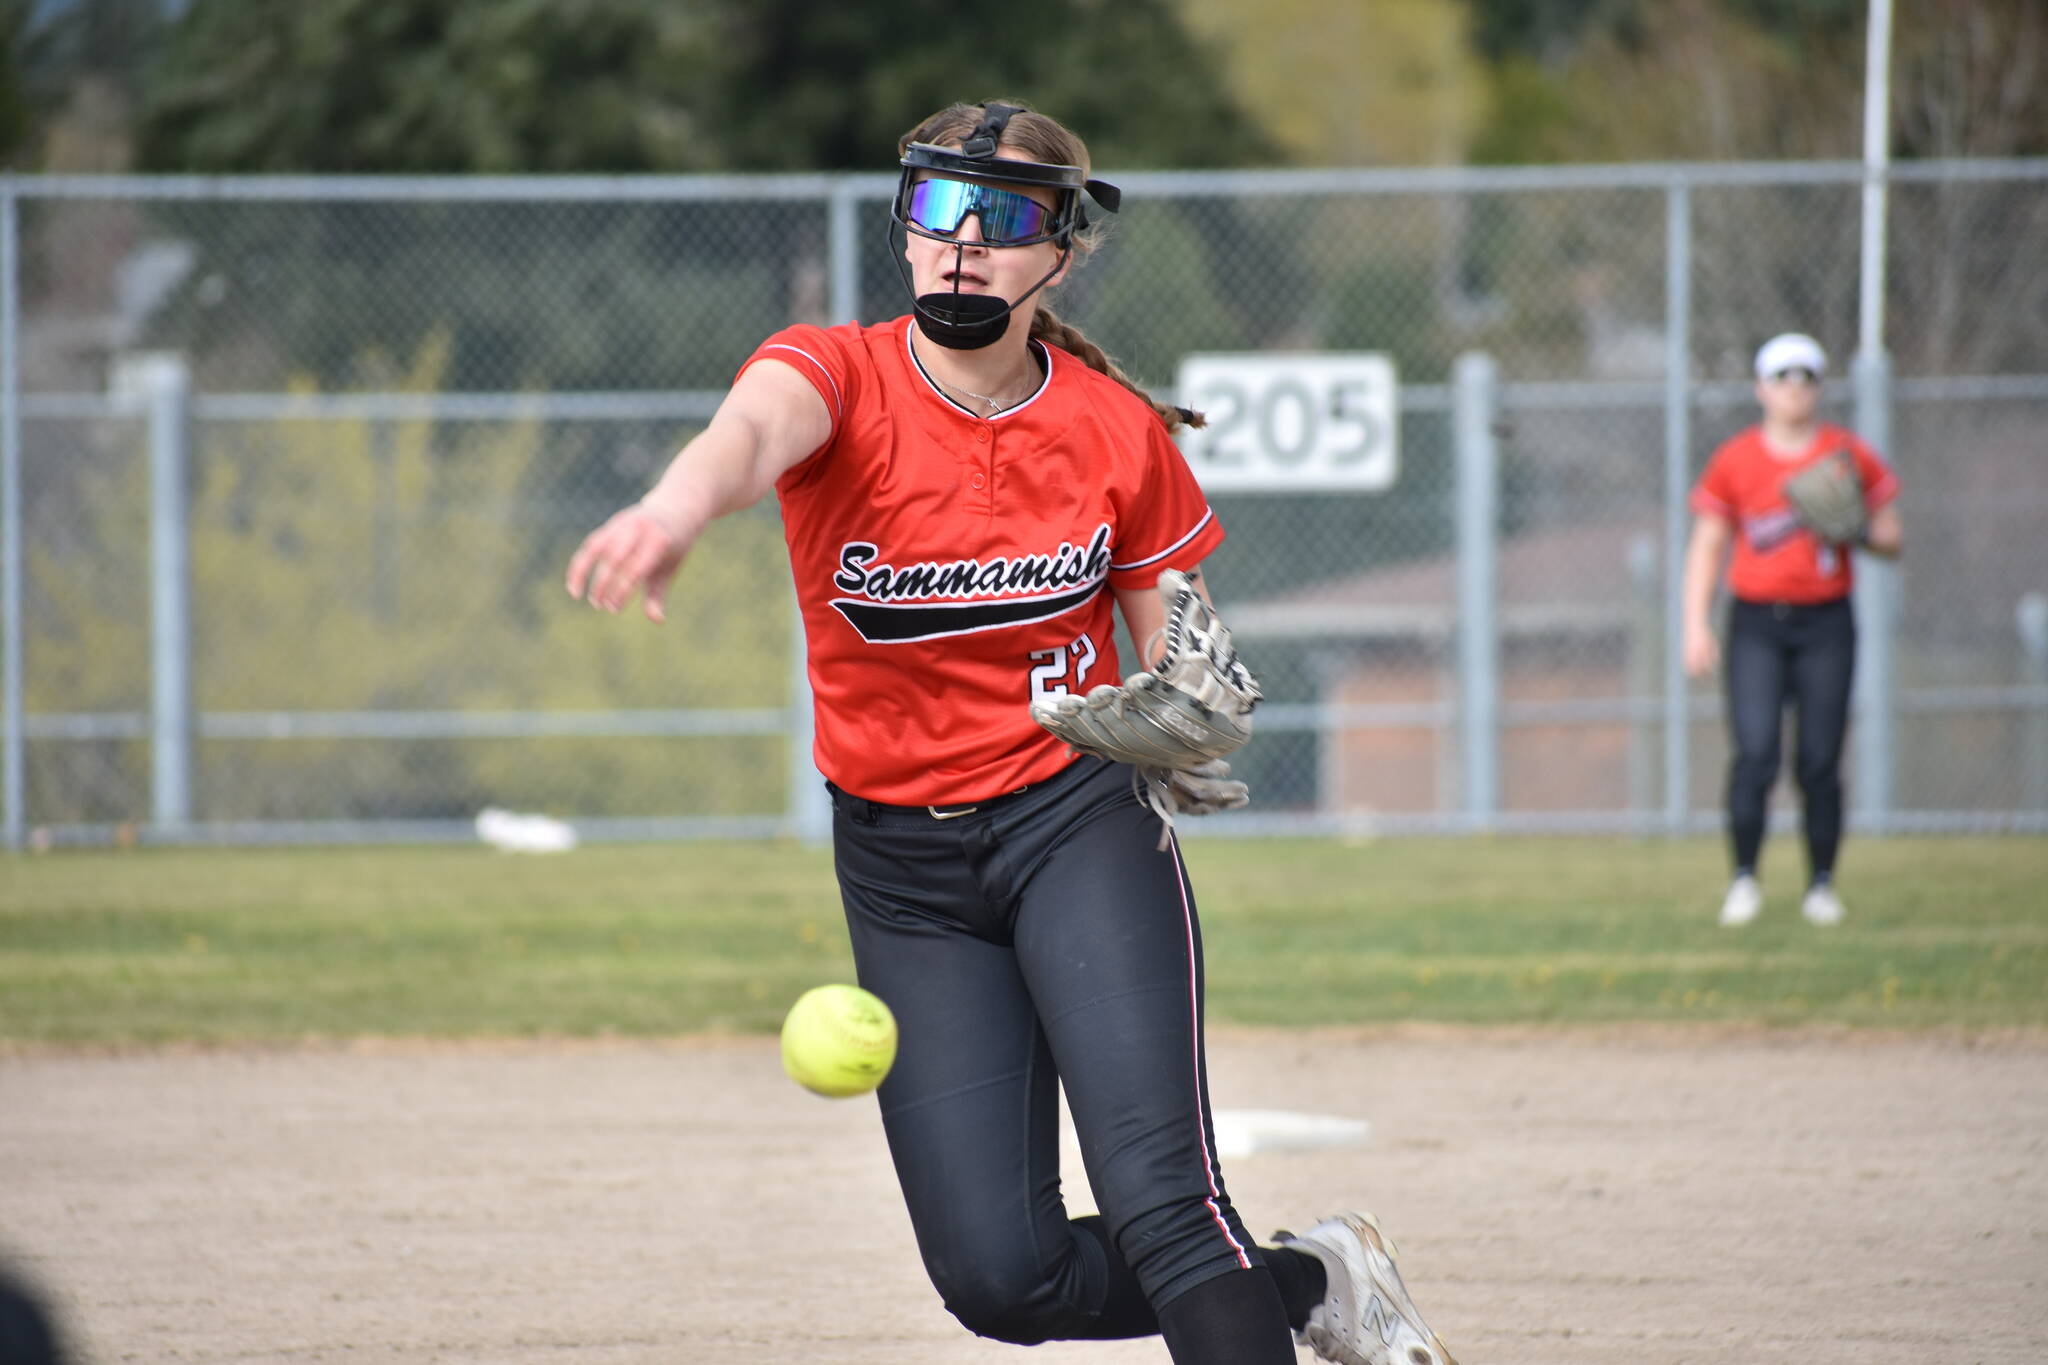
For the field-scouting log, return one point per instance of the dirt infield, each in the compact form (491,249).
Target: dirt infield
(1593,1199)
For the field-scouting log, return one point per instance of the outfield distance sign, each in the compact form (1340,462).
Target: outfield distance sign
(1292,422)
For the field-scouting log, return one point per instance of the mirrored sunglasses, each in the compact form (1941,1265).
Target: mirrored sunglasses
(1007,217)
(1798,374)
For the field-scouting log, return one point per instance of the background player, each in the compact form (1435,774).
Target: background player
(1791,628)
(963,499)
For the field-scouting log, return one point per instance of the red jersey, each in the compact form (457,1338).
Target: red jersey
(950,567)
(1777,559)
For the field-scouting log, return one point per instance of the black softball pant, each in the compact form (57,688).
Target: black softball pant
(1038,939)
(1805,655)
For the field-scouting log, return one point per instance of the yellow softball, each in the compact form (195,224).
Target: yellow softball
(838,1041)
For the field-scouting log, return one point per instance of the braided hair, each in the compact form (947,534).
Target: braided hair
(1046,326)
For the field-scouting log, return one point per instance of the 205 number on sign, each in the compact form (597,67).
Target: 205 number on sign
(1284,423)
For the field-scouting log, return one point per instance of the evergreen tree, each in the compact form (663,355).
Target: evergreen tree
(647,85)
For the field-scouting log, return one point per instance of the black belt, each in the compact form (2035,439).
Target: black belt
(1781,610)
(860,808)
(868,812)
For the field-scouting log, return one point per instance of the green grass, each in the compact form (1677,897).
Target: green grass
(153,946)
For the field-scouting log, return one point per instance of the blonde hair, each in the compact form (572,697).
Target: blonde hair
(1043,138)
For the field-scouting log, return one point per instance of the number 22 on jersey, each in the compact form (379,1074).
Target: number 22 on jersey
(1052,669)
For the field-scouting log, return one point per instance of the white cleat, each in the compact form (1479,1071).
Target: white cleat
(1366,1316)
(1822,906)
(1743,900)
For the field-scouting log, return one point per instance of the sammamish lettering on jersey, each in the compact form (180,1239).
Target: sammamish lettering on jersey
(1768,530)
(894,605)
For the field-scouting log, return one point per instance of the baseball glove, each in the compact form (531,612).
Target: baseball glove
(1201,790)
(1192,706)
(1828,497)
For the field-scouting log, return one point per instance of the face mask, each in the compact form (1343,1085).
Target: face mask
(936,208)
(968,322)
(930,204)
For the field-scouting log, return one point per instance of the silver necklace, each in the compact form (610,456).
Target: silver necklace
(993,405)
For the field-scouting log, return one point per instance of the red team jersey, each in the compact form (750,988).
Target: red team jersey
(1777,559)
(949,567)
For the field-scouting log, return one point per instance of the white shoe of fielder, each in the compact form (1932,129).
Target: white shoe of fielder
(1743,900)
(1366,1316)
(1821,906)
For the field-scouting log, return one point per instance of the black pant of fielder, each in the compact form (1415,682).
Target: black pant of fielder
(1805,655)
(1039,939)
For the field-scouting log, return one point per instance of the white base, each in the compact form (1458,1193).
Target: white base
(1247,1132)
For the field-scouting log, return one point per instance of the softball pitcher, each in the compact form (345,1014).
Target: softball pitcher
(966,490)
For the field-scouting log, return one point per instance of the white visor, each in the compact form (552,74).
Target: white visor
(1790,351)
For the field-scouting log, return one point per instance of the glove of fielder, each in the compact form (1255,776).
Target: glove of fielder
(1828,497)
(1192,706)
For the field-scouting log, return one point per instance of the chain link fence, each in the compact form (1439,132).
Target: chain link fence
(293,467)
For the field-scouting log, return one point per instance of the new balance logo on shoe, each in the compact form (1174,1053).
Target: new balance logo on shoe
(1378,1319)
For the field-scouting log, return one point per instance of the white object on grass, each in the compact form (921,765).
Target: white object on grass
(513,832)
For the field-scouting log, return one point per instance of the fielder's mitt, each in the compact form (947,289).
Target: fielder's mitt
(1828,497)
(1194,705)
(1201,790)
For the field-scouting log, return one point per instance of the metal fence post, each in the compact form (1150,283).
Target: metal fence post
(1645,650)
(1876,602)
(810,814)
(1475,402)
(2031,617)
(12,718)
(168,385)
(842,250)
(1677,464)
